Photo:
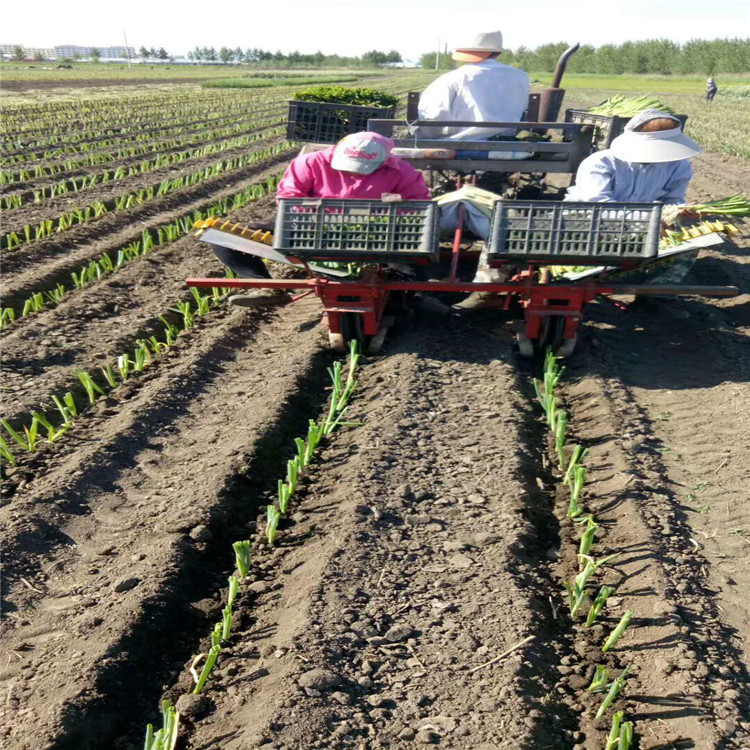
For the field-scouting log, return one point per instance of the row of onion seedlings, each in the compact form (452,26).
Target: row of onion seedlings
(77,216)
(341,393)
(86,182)
(52,426)
(107,264)
(572,472)
(40,171)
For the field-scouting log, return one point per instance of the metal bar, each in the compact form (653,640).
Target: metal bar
(550,290)
(565,126)
(544,147)
(493,165)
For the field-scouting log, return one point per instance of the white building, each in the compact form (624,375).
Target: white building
(29,53)
(71,50)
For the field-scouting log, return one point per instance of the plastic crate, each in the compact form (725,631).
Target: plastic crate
(574,233)
(606,127)
(319,122)
(356,229)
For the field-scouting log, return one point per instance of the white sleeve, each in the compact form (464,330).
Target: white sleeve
(594,181)
(675,191)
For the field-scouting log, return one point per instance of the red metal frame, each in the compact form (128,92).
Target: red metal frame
(369,298)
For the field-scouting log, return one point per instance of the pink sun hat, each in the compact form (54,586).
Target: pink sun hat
(361,153)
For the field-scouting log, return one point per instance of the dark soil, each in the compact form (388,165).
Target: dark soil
(429,539)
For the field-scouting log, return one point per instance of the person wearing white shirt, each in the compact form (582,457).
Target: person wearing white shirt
(648,163)
(482,90)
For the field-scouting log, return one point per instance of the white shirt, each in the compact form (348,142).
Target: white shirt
(602,177)
(488,91)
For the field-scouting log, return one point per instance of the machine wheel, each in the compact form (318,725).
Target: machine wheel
(553,328)
(566,348)
(525,346)
(337,342)
(351,330)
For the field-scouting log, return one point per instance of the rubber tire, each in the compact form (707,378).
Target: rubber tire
(553,328)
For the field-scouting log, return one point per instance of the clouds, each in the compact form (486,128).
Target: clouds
(351,27)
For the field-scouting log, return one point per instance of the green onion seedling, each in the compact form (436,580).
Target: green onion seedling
(124,363)
(300,443)
(600,681)
(613,738)
(561,428)
(576,458)
(166,737)
(203,302)
(213,655)
(91,388)
(576,598)
(626,736)
(614,691)
(587,538)
(242,557)
(601,599)
(216,634)
(292,473)
(576,490)
(6,453)
(226,622)
(272,523)
(284,494)
(109,375)
(234,587)
(616,634)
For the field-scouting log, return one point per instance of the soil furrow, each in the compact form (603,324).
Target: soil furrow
(419,564)
(105,599)
(22,268)
(99,322)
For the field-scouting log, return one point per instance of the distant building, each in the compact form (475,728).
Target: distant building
(112,53)
(8,50)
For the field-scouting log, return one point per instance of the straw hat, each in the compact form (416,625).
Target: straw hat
(480,48)
(656,146)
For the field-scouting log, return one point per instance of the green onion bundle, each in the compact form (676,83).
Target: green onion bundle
(736,205)
(623,106)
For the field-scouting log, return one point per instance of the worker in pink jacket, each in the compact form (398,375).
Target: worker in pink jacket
(358,166)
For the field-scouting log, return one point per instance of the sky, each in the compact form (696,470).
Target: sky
(351,27)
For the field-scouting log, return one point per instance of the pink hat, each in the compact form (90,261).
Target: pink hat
(361,153)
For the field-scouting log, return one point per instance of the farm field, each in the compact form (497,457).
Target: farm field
(430,534)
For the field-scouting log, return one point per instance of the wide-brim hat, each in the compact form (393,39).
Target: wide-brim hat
(479,48)
(656,146)
(361,153)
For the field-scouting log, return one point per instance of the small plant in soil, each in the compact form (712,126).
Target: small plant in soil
(600,681)
(272,524)
(576,490)
(234,587)
(614,690)
(601,599)
(620,736)
(616,634)
(166,737)
(576,459)
(242,557)
(213,655)
(587,538)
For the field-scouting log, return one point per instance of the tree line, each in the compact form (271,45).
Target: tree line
(317,59)
(655,56)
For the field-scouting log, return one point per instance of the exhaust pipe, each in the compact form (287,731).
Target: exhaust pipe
(551,98)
